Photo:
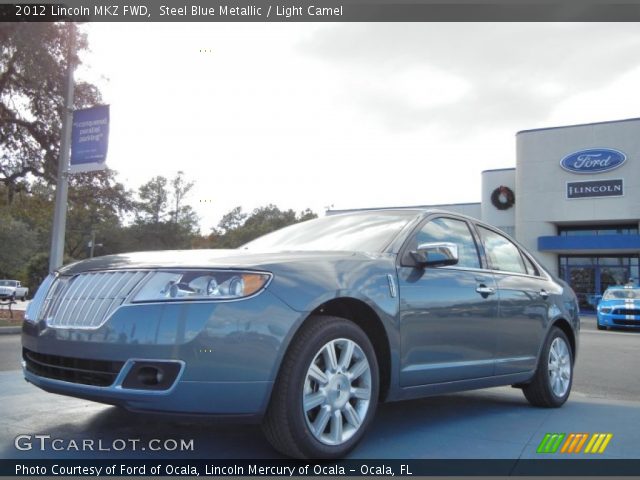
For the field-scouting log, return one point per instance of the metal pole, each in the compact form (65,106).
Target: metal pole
(60,213)
(93,243)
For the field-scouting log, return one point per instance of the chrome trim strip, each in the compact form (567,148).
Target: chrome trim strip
(81,303)
(392,286)
(33,309)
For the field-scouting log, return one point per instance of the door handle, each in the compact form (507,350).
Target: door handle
(484,290)
(543,293)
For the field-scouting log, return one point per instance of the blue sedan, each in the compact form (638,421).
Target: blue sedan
(307,328)
(619,307)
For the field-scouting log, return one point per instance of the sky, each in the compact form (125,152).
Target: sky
(348,115)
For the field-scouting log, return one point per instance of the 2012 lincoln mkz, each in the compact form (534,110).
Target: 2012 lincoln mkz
(308,328)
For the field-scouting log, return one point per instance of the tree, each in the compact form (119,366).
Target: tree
(156,227)
(97,203)
(181,188)
(231,221)
(17,242)
(237,228)
(154,196)
(33,66)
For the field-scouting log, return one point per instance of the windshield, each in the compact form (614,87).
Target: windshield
(363,231)
(8,283)
(622,293)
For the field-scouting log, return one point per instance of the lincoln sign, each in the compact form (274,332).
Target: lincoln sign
(596,188)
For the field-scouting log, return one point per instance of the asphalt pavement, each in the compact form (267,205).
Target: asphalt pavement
(483,424)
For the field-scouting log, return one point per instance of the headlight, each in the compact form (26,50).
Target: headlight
(200,285)
(604,309)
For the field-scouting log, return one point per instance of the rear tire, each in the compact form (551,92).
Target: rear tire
(326,392)
(551,384)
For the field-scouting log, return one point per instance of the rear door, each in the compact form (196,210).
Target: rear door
(448,314)
(524,303)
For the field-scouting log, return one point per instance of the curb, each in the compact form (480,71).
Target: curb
(10,330)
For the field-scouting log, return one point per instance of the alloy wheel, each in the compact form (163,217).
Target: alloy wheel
(337,391)
(559,367)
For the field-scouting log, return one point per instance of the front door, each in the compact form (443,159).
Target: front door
(448,314)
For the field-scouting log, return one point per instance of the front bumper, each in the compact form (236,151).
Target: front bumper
(228,353)
(618,320)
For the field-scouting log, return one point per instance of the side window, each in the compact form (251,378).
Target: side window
(531,268)
(502,254)
(454,231)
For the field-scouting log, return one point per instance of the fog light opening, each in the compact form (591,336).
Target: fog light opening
(150,376)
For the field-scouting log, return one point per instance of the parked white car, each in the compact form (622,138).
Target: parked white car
(13,289)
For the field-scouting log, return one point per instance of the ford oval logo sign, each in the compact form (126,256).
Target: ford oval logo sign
(593,160)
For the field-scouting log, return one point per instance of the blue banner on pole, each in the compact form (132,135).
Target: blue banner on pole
(89,139)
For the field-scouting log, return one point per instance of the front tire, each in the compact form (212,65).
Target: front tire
(551,384)
(326,393)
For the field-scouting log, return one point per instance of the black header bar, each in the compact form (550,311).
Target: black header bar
(333,469)
(323,11)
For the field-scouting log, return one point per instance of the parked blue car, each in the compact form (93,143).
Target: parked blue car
(307,328)
(619,307)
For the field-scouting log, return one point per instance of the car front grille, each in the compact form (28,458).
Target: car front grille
(626,311)
(99,373)
(85,301)
(627,323)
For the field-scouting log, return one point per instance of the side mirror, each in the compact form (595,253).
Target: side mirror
(436,254)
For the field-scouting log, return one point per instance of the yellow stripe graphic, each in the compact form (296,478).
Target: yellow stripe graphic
(591,442)
(607,439)
(596,445)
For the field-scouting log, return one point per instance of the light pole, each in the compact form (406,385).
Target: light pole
(60,212)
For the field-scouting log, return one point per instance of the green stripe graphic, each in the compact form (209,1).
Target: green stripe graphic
(543,443)
(550,443)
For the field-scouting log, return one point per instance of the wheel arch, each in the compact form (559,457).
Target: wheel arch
(565,326)
(363,315)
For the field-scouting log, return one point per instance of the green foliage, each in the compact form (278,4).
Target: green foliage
(97,202)
(37,268)
(17,242)
(237,228)
(33,67)
(152,207)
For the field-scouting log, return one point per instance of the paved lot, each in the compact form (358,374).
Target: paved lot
(493,423)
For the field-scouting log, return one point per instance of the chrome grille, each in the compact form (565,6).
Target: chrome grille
(35,305)
(86,300)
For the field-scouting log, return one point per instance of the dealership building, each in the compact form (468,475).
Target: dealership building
(573,200)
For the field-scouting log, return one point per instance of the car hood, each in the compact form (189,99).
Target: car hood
(206,259)
(619,301)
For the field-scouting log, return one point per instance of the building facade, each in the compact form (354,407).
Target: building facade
(573,200)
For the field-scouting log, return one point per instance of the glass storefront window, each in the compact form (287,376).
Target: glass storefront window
(599,230)
(591,276)
(578,261)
